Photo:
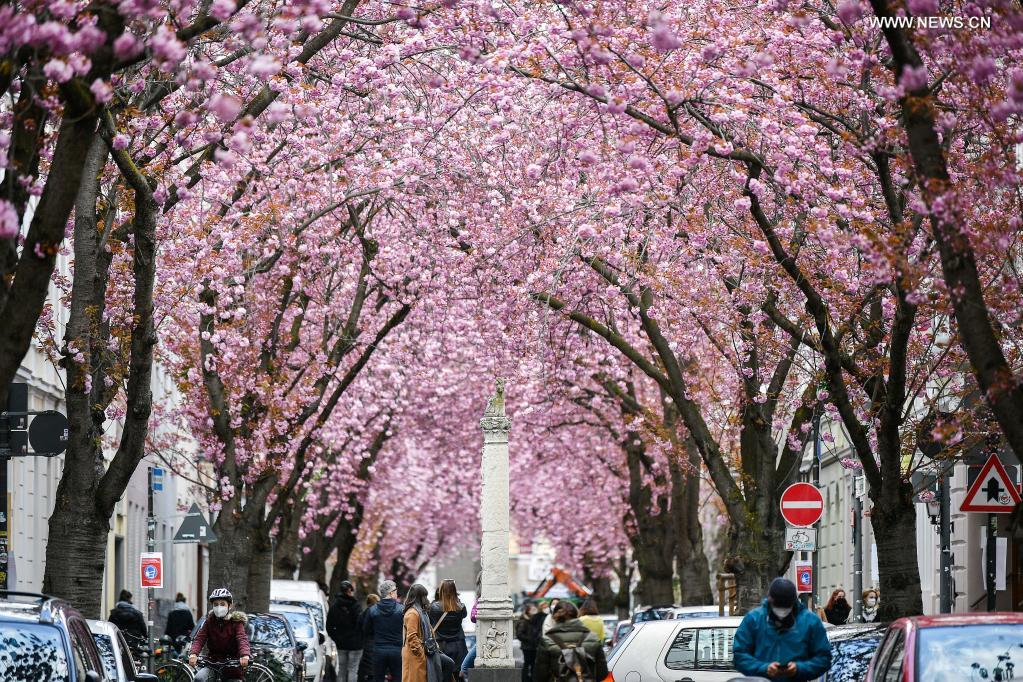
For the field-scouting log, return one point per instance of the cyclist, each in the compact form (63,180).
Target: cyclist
(223,634)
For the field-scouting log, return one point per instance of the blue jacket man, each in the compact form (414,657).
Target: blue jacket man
(383,625)
(781,639)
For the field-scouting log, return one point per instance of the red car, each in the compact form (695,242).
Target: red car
(950,648)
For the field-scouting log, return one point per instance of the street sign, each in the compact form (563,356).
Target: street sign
(151,569)
(802,504)
(993,491)
(800,539)
(157,479)
(194,528)
(48,433)
(804,577)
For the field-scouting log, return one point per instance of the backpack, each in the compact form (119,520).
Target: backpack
(575,663)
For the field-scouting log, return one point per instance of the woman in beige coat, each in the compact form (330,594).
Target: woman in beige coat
(416,664)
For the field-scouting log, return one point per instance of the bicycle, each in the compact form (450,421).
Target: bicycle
(179,671)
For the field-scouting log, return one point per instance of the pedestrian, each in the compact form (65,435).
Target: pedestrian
(366,662)
(538,620)
(383,627)
(548,621)
(420,659)
(781,639)
(837,609)
(223,635)
(179,621)
(589,615)
(129,620)
(470,658)
(568,634)
(344,625)
(528,639)
(871,600)
(446,616)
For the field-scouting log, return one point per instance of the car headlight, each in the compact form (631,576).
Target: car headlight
(310,655)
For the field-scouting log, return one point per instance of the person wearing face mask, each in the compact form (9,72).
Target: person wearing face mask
(781,639)
(223,635)
(837,610)
(871,599)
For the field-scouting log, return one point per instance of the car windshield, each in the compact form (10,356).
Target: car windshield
(301,623)
(985,651)
(268,631)
(315,607)
(31,653)
(651,614)
(106,654)
(851,657)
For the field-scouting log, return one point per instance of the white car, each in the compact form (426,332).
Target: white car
(676,650)
(307,593)
(113,650)
(680,612)
(304,625)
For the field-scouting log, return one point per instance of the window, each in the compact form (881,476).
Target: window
(893,666)
(106,653)
(83,645)
(31,653)
(127,662)
(701,649)
(989,651)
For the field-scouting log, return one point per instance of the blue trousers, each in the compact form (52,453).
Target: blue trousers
(386,660)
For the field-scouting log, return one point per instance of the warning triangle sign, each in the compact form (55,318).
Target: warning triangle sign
(993,491)
(194,528)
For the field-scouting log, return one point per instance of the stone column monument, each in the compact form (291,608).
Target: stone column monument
(494,633)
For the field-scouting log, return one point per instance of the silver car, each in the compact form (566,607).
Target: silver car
(113,650)
(677,650)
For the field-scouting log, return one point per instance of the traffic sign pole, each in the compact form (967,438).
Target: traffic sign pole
(150,547)
(815,468)
(991,569)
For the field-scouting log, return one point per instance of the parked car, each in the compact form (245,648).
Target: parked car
(623,628)
(46,639)
(950,648)
(304,626)
(687,650)
(308,593)
(115,653)
(610,623)
(852,647)
(273,644)
(644,613)
(679,612)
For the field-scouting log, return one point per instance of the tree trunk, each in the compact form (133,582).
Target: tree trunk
(345,538)
(623,601)
(690,559)
(653,545)
(313,562)
(233,552)
(76,549)
(260,573)
(756,557)
(287,553)
(894,522)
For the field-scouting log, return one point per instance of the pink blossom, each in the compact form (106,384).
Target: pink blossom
(168,50)
(58,70)
(225,107)
(9,223)
(126,46)
(850,11)
(913,78)
(264,66)
(102,91)
(120,141)
(221,10)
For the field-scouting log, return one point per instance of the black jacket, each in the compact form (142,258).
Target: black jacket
(179,622)
(344,623)
(450,629)
(572,632)
(129,620)
(526,633)
(383,624)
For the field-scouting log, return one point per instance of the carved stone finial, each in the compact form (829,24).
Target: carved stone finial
(495,406)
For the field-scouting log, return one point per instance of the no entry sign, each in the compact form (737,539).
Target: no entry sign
(802,504)
(151,569)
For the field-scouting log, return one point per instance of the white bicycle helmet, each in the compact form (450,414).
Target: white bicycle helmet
(221,593)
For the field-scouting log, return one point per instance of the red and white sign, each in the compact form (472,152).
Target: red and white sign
(993,492)
(151,569)
(802,504)
(804,577)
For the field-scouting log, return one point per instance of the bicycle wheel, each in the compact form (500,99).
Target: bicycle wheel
(174,671)
(258,673)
